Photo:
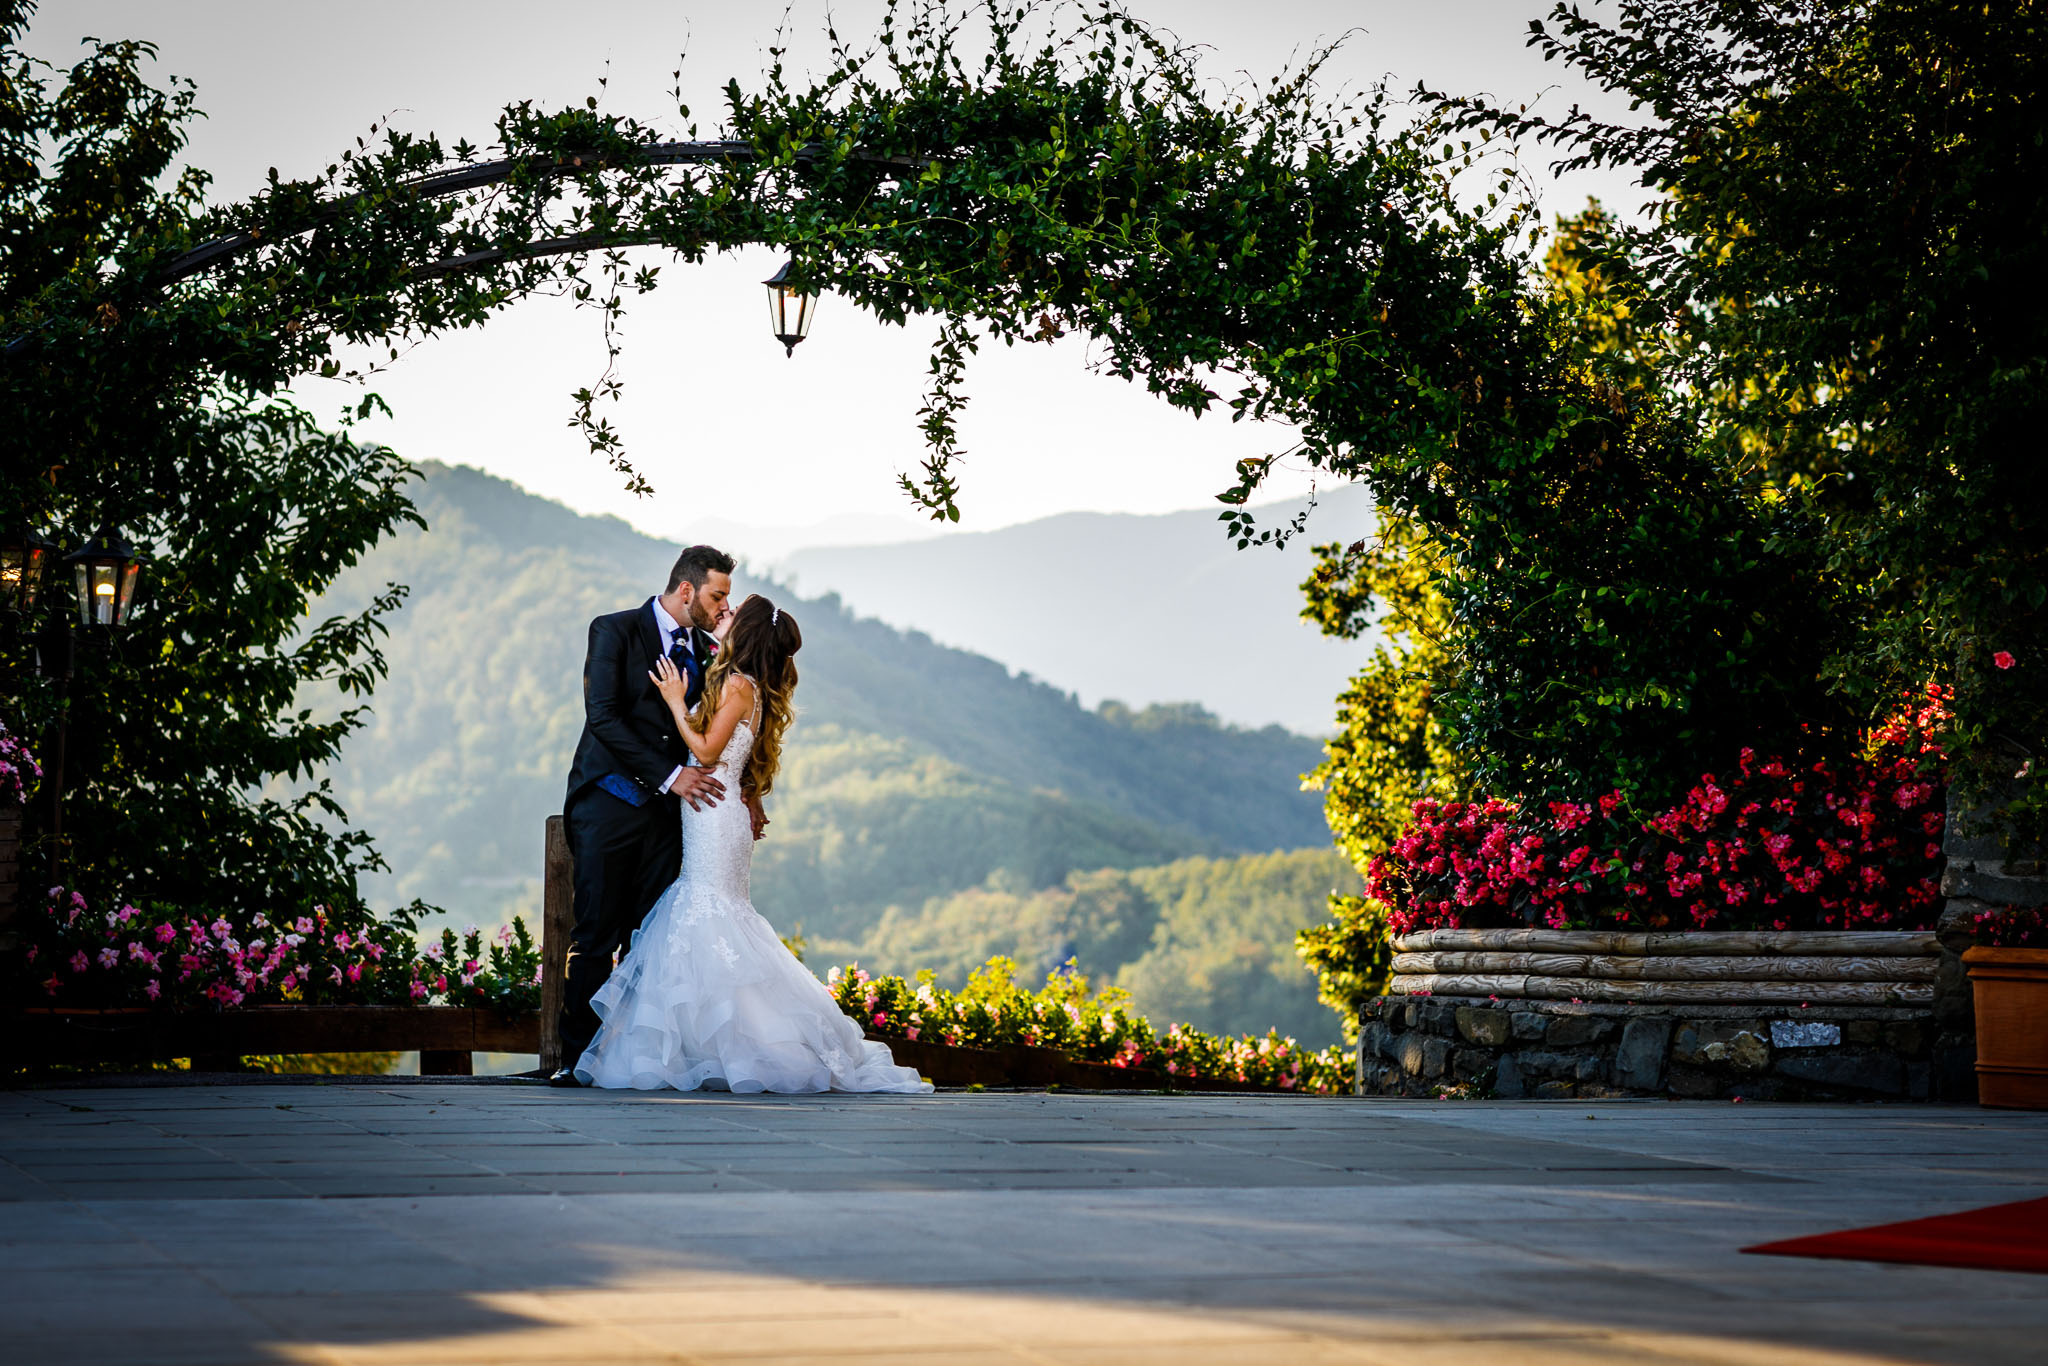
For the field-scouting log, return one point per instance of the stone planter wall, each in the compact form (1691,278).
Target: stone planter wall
(1581,1014)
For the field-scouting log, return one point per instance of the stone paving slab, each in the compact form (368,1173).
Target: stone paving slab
(467,1222)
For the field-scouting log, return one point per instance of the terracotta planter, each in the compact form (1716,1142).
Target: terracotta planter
(2011,987)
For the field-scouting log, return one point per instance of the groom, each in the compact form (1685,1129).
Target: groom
(622,816)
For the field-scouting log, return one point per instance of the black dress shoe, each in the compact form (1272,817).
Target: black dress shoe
(565,1077)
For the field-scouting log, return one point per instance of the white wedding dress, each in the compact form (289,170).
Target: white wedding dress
(708,997)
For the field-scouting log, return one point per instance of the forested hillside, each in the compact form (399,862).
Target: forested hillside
(915,773)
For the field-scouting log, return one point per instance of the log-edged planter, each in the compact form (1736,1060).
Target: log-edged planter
(2011,988)
(1586,1013)
(1727,967)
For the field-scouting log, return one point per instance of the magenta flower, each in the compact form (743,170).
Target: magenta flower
(2003,659)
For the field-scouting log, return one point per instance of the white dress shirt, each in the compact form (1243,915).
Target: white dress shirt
(670,628)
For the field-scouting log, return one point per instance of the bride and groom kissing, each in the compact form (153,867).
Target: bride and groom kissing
(685,704)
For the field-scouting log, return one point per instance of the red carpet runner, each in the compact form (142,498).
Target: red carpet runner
(1999,1238)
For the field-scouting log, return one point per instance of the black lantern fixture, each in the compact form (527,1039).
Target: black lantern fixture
(789,311)
(105,569)
(23,555)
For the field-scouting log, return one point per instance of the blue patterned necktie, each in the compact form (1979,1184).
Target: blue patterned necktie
(693,671)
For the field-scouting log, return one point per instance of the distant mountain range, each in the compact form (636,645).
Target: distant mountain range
(914,771)
(1119,607)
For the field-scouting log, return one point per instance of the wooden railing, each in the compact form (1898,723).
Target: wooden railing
(557,917)
(444,1036)
(10,872)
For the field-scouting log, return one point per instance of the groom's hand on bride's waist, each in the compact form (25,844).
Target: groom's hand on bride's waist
(697,787)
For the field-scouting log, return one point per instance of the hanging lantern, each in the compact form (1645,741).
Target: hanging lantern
(105,570)
(23,555)
(789,312)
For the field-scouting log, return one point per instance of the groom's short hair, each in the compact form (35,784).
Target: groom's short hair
(697,564)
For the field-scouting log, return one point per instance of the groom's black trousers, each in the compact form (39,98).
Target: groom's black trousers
(626,856)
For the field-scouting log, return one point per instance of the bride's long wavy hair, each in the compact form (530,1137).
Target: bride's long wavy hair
(761,644)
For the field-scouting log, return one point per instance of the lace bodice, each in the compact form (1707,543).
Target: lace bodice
(718,842)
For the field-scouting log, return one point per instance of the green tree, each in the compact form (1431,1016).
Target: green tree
(1392,746)
(241,505)
(1846,250)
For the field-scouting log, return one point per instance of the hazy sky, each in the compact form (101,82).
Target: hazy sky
(723,424)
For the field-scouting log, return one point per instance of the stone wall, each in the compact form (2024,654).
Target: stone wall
(1429,1046)
(1980,873)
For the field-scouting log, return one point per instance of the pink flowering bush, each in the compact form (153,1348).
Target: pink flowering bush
(2013,928)
(994,1012)
(1770,844)
(78,956)
(19,771)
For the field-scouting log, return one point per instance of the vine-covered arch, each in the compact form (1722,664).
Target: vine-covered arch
(1090,180)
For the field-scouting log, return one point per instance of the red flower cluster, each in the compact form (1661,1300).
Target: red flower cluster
(1773,845)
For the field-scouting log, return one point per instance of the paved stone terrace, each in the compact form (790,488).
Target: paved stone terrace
(377,1222)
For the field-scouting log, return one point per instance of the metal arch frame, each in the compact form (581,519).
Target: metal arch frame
(457,179)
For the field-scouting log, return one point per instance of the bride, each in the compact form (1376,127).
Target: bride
(707,996)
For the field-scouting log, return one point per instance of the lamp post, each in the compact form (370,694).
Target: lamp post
(789,310)
(23,554)
(104,572)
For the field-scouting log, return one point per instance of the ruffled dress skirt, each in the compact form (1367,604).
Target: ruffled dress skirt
(708,998)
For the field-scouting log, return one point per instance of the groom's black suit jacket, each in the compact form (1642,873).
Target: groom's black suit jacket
(627,728)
